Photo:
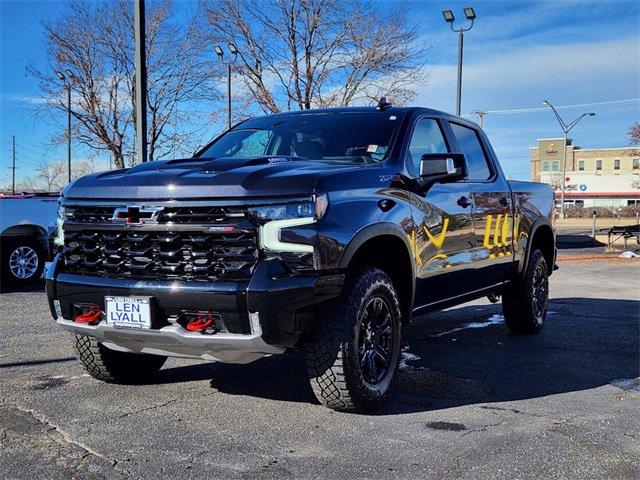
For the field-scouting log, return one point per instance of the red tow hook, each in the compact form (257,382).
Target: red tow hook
(91,315)
(201,322)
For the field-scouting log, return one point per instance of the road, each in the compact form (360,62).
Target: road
(471,401)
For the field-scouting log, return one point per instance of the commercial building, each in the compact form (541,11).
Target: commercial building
(602,177)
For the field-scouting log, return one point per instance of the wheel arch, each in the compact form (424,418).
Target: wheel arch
(26,230)
(385,246)
(541,236)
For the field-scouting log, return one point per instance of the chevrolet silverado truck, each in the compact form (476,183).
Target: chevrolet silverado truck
(320,232)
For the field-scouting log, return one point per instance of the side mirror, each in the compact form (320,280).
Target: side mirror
(442,167)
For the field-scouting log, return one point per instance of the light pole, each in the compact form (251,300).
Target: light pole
(68,80)
(234,51)
(566,128)
(450,18)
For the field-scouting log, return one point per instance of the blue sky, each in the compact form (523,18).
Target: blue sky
(517,54)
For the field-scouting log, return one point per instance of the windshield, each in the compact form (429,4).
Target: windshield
(352,137)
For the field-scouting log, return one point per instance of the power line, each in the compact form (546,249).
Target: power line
(544,109)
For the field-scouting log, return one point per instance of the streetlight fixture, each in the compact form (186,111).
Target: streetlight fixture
(220,52)
(68,80)
(450,18)
(566,128)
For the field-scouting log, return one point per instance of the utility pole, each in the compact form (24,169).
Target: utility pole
(69,132)
(481,114)
(68,80)
(459,81)
(229,96)
(13,173)
(141,83)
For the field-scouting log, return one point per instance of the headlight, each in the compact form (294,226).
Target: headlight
(311,209)
(276,217)
(59,238)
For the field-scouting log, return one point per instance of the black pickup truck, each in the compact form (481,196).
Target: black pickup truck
(319,231)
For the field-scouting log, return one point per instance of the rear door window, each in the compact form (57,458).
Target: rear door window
(470,145)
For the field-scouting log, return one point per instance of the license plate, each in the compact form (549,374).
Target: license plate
(128,312)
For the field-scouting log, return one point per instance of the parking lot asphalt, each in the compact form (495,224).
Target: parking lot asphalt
(471,401)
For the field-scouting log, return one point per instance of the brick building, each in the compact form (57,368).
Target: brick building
(608,177)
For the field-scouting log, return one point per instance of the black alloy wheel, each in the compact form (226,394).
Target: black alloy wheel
(376,340)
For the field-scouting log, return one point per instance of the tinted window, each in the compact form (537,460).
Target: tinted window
(469,143)
(354,137)
(427,138)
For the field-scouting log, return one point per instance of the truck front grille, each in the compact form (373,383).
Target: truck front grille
(153,254)
(174,215)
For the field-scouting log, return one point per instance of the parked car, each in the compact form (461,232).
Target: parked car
(25,234)
(321,232)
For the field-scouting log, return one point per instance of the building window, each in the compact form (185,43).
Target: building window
(581,165)
(545,166)
(633,202)
(616,164)
(636,163)
(555,166)
(598,164)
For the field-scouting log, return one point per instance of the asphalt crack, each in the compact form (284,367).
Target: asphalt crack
(66,438)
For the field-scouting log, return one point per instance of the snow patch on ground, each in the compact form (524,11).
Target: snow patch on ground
(628,254)
(492,320)
(630,384)
(406,356)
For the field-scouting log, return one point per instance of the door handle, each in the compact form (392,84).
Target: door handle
(464,202)
(504,201)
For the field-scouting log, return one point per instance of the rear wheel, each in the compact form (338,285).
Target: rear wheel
(354,353)
(23,260)
(525,302)
(116,367)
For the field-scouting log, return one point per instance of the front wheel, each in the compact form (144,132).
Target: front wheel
(525,302)
(355,349)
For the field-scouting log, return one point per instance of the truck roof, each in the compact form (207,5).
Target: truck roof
(369,109)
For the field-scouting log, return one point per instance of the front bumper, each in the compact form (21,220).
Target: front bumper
(282,301)
(175,341)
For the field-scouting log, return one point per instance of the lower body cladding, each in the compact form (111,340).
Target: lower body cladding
(255,318)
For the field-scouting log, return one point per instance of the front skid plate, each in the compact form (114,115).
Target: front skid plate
(175,341)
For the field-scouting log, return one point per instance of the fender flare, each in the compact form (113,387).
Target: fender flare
(376,230)
(29,230)
(540,222)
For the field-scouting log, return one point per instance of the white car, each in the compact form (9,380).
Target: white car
(25,231)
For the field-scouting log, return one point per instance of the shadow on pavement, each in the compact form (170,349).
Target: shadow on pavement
(28,363)
(32,287)
(585,344)
(564,242)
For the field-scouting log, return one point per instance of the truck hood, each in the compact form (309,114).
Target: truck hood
(206,178)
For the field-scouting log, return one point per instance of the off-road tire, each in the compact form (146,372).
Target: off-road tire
(116,367)
(518,299)
(332,355)
(10,245)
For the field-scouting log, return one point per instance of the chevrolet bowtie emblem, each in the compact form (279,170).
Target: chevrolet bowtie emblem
(137,215)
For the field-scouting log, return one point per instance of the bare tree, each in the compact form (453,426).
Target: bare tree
(95,41)
(51,175)
(317,53)
(634,134)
